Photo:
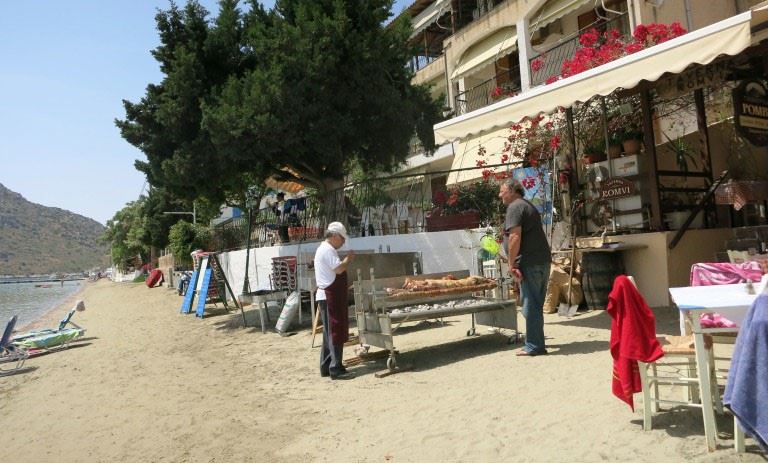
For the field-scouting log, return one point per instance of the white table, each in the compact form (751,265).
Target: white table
(730,301)
(260,303)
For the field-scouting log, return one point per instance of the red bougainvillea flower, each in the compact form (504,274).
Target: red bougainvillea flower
(633,47)
(504,158)
(453,199)
(497,92)
(481,151)
(480,162)
(589,38)
(438,199)
(487,174)
(537,64)
(554,142)
(641,32)
(551,79)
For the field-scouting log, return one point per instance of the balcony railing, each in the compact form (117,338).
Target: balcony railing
(552,60)
(496,88)
(385,206)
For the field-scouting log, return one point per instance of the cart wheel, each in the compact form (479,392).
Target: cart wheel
(391,363)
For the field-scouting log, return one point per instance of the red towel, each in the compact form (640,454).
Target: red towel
(633,337)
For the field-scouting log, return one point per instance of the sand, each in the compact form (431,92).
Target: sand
(149,384)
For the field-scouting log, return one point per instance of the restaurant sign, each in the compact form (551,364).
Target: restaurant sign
(713,74)
(615,188)
(750,111)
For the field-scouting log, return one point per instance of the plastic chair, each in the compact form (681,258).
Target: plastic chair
(10,353)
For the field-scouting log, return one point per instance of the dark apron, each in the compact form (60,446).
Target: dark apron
(336,297)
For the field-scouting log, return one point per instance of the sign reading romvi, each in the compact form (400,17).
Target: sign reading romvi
(750,111)
(615,188)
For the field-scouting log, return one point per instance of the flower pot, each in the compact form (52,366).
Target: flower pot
(614,151)
(591,158)
(462,221)
(631,146)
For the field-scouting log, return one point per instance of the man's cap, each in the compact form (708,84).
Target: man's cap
(338,228)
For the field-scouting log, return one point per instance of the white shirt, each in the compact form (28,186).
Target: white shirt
(326,262)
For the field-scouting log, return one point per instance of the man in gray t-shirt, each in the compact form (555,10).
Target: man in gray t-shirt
(524,238)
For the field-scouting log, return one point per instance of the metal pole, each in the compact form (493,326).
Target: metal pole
(194,213)
(246,284)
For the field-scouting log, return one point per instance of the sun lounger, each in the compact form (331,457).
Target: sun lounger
(79,307)
(43,341)
(10,353)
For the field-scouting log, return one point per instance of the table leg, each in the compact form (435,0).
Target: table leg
(262,313)
(702,365)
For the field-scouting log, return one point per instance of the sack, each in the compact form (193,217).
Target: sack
(289,312)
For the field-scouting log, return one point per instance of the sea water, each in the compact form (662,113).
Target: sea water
(30,302)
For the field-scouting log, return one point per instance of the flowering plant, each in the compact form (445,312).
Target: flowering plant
(477,196)
(597,49)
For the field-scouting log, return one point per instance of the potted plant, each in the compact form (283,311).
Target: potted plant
(683,152)
(594,152)
(615,144)
(631,139)
(463,207)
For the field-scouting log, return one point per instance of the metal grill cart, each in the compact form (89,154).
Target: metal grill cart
(380,315)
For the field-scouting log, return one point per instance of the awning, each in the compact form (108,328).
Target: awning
(287,186)
(487,50)
(400,182)
(728,37)
(430,14)
(466,155)
(555,10)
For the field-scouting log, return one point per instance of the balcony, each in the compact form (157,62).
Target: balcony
(551,60)
(498,87)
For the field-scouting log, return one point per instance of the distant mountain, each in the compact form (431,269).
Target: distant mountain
(36,239)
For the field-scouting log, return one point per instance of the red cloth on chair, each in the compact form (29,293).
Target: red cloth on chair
(633,337)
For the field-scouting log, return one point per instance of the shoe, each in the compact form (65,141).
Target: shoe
(525,353)
(344,375)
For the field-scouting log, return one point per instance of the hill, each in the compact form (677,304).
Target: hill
(36,239)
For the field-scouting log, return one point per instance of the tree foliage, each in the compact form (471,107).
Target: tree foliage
(127,234)
(184,238)
(298,92)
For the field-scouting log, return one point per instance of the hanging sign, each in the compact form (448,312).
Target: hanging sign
(750,111)
(615,188)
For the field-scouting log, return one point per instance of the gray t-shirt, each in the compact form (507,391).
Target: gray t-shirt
(534,249)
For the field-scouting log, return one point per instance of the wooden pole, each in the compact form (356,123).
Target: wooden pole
(650,147)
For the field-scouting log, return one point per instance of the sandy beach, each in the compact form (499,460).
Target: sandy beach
(151,385)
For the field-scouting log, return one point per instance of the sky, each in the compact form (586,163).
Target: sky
(65,67)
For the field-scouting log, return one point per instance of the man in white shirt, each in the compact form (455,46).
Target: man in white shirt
(332,292)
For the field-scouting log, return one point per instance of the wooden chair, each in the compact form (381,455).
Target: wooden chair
(679,356)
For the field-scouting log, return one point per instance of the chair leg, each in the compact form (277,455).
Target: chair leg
(738,436)
(646,390)
(716,400)
(692,390)
(654,403)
